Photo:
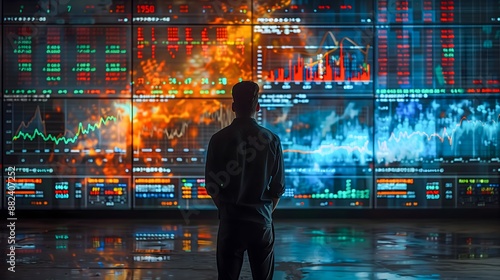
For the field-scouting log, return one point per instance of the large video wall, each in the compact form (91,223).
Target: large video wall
(110,104)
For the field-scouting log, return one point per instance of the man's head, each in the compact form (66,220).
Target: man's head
(245,98)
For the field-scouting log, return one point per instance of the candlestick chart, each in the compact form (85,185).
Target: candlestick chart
(330,60)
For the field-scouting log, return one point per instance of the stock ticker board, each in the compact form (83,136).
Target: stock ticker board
(378,103)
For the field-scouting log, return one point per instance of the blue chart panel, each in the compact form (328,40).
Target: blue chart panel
(324,133)
(438,131)
(327,148)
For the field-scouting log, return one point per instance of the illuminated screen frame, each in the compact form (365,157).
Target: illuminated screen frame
(379,104)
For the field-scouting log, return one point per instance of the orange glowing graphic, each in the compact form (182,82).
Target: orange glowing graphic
(190,61)
(166,132)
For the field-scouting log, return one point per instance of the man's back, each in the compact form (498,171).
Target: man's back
(245,162)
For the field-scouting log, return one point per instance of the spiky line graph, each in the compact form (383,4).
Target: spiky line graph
(444,136)
(49,137)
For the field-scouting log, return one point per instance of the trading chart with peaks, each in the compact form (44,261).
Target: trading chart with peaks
(322,132)
(67,136)
(326,143)
(69,154)
(425,147)
(317,59)
(444,132)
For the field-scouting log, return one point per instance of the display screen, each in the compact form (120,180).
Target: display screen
(317,60)
(438,60)
(379,104)
(170,141)
(190,61)
(327,149)
(69,153)
(438,130)
(67,61)
(433,143)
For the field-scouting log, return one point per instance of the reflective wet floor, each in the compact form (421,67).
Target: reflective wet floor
(319,249)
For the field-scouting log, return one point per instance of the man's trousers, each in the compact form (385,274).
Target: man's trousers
(234,238)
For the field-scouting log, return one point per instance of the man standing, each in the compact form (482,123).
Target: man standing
(245,178)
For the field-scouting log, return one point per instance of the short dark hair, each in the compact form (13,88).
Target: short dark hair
(245,97)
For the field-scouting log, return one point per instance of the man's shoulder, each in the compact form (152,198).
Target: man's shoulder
(222,132)
(269,133)
(231,129)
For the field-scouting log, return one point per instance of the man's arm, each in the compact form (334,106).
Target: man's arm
(275,203)
(210,184)
(277,184)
